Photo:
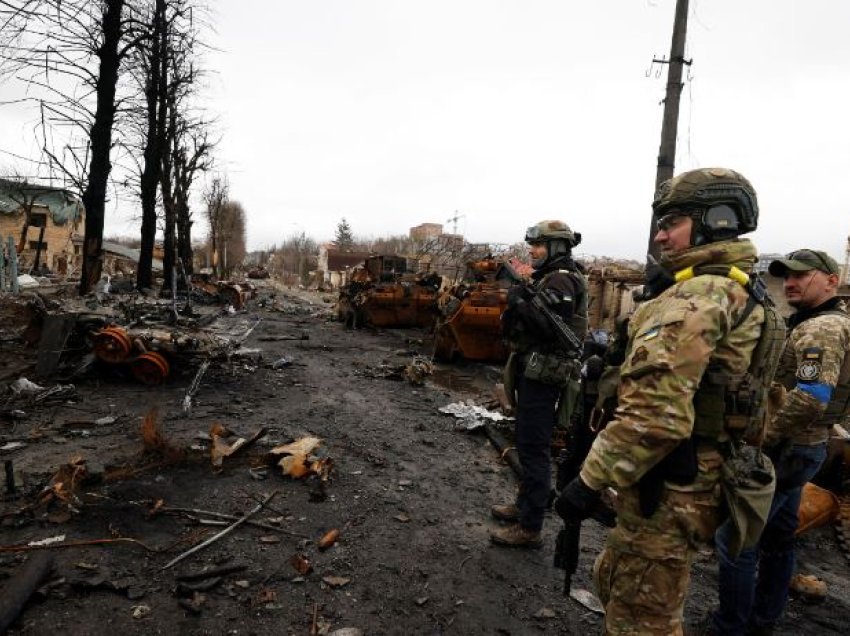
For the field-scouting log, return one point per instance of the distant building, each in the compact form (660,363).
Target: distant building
(55,216)
(335,264)
(123,260)
(764,261)
(426,231)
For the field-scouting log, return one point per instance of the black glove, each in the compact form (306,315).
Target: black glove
(577,501)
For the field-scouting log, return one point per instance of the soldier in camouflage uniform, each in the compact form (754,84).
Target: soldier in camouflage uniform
(537,372)
(815,371)
(699,321)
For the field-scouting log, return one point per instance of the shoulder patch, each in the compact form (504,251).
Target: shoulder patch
(809,368)
(813,353)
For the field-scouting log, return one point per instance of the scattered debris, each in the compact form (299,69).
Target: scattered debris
(328,539)
(301,564)
(303,336)
(20,586)
(219,449)
(302,458)
(506,451)
(221,534)
(190,512)
(193,387)
(22,386)
(76,544)
(154,439)
(10,446)
(588,599)
(336,581)
(470,416)
(64,485)
(211,573)
(140,611)
(95,578)
(383,294)
(48,541)
(469,322)
(418,370)
(282,363)
(809,587)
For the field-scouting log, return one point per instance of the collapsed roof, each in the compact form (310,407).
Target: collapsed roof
(62,204)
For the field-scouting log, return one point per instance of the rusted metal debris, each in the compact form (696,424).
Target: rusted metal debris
(469,323)
(384,294)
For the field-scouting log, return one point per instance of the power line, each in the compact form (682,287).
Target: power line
(22,158)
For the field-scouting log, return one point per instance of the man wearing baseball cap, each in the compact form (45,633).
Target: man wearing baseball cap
(814,376)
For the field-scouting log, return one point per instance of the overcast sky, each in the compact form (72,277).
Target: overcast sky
(396,112)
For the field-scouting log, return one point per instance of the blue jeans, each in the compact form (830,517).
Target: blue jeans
(759,602)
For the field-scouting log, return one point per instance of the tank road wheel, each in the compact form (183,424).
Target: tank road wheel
(150,368)
(112,345)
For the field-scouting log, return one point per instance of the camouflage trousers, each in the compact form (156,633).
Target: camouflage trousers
(642,575)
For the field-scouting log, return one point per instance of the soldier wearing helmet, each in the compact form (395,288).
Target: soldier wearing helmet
(541,375)
(689,345)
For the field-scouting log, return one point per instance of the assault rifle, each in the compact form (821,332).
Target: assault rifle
(567,550)
(541,301)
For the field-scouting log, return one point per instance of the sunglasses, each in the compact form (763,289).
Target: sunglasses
(671,220)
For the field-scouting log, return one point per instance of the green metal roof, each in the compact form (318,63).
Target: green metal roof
(63,205)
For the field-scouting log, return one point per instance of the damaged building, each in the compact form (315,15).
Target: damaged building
(44,222)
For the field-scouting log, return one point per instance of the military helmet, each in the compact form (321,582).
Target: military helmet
(722,202)
(546,231)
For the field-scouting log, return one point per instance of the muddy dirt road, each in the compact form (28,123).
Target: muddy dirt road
(409,493)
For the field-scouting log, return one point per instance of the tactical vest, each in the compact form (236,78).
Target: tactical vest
(735,404)
(839,402)
(577,322)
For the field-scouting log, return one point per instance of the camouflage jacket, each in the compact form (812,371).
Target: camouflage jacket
(672,340)
(815,370)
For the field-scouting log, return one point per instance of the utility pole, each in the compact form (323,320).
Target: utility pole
(670,121)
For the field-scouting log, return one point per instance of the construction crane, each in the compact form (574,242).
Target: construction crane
(453,220)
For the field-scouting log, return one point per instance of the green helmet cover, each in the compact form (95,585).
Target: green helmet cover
(546,231)
(716,194)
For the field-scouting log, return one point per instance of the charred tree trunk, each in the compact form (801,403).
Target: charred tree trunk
(94,196)
(183,181)
(169,128)
(153,151)
(184,237)
(169,243)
